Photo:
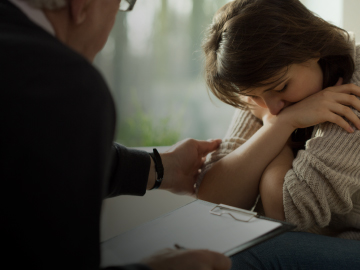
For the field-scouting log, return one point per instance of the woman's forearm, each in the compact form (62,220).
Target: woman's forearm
(271,184)
(240,171)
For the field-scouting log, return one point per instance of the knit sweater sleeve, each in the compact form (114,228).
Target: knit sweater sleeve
(243,125)
(325,179)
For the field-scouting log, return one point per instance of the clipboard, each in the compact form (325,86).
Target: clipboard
(222,209)
(197,225)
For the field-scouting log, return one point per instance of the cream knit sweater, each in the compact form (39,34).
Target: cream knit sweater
(321,193)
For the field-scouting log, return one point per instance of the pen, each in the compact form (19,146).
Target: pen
(179,247)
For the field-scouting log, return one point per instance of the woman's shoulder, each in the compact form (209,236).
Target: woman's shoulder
(356,76)
(243,125)
(356,57)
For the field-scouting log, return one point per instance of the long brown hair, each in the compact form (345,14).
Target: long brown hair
(250,41)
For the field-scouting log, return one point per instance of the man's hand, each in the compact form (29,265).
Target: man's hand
(188,259)
(182,163)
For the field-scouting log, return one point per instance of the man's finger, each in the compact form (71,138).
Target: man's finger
(220,261)
(206,147)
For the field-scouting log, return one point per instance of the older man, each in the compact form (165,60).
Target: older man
(57,157)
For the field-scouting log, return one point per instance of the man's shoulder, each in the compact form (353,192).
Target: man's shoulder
(35,46)
(26,47)
(34,55)
(35,64)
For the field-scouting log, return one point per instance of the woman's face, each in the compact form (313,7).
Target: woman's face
(299,82)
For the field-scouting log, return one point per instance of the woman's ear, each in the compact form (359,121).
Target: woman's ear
(78,10)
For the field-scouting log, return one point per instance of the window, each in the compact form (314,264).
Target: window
(153,64)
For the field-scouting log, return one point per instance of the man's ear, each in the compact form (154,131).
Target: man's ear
(78,10)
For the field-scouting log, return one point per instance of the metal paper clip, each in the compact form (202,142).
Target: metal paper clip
(235,213)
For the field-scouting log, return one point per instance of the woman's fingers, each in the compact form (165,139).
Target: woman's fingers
(349,100)
(347,113)
(339,82)
(345,88)
(341,110)
(338,120)
(344,97)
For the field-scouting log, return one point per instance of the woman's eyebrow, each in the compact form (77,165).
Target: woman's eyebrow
(275,85)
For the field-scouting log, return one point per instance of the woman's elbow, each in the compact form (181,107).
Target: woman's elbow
(272,196)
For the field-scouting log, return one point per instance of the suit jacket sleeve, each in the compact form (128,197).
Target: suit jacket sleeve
(130,170)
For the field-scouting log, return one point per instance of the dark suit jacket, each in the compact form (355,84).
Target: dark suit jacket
(57,159)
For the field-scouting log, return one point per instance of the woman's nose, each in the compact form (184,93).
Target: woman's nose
(275,105)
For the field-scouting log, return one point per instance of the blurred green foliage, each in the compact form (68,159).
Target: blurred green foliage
(144,129)
(155,51)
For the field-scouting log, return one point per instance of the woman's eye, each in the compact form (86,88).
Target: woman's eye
(282,90)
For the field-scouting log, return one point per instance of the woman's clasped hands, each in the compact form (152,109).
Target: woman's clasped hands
(329,105)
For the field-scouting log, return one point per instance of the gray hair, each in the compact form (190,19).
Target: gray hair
(47,4)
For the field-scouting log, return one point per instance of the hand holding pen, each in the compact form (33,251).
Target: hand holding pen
(191,259)
(178,247)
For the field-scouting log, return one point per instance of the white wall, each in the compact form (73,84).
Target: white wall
(351,19)
(343,13)
(329,10)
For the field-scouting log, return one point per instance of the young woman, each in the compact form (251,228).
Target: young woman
(286,69)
